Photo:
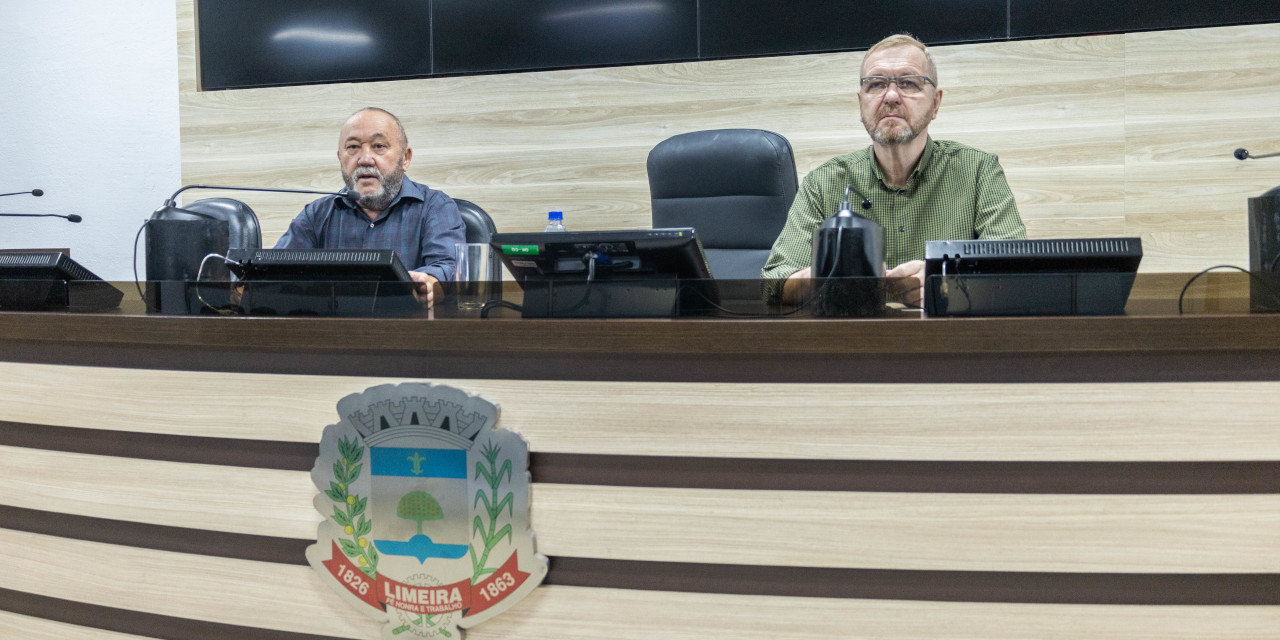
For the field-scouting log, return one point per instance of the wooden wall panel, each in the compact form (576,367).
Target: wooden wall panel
(1077,421)
(290,598)
(239,592)
(914,531)
(566,613)
(28,628)
(1100,136)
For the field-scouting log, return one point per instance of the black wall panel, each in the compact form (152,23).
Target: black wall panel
(250,43)
(247,43)
(763,27)
(502,35)
(1037,18)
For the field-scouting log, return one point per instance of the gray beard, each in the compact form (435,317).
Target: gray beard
(388,189)
(902,136)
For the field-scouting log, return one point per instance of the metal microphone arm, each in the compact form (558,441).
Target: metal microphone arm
(173,198)
(72,218)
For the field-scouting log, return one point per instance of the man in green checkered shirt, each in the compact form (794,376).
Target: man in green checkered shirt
(919,188)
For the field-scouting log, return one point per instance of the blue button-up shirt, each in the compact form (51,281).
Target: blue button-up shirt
(421,225)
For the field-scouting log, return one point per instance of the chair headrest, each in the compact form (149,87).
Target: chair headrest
(722,162)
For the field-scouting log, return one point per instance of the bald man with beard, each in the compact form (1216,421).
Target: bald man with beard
(381,208)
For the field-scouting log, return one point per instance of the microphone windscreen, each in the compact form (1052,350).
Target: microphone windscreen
(37,192)
(1241,154)
(74,218)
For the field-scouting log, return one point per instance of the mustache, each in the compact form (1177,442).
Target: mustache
(367,172)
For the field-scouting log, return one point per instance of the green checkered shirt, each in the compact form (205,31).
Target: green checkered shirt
(955,193)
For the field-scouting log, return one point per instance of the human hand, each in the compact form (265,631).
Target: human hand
(427,286)
(797,286)
(905,282)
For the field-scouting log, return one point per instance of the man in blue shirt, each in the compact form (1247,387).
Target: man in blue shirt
(382,209)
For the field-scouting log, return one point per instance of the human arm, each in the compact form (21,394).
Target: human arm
(441,229)
(787,273)
(995,210)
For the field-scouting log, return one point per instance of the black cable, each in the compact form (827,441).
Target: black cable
(146,304)
(589,258)
(1252,276)
(495,304)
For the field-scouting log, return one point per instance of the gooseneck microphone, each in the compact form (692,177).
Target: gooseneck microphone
(1243,154)
(35,192)
(71,218)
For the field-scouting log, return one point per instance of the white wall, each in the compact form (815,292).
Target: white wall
(89,114)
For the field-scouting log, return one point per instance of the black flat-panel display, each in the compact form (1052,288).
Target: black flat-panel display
(251,43)
(1036,18)
(763,27)
(504,35)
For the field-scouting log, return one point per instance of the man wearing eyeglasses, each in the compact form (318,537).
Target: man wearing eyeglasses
(919,188)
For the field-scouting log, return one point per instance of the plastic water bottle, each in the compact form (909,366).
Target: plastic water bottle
(555,221)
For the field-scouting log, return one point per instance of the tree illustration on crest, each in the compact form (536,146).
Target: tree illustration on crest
(420,506)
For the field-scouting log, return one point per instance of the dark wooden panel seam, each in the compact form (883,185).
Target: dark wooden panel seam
(137,623)
(909,476)
(944,586)
(202,542)
(821,582)
(985,367)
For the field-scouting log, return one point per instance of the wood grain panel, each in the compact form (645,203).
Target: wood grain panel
(839,421)
(1176,534)
(577,613)
(28,628)
(240,592)
(989,532)
(574,613)
(237,500)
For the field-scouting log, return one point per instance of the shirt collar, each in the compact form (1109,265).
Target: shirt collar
(921,166)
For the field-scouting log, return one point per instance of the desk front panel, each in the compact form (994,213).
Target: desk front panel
(176,502)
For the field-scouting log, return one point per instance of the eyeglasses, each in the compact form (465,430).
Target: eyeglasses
(907,85)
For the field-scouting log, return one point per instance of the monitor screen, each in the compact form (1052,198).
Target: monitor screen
(628,273)
(1088,276)
(50,280)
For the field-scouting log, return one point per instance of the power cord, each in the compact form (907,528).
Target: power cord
(1252,276)
(137,283)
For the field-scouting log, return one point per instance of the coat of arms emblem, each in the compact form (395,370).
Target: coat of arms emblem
(426,510)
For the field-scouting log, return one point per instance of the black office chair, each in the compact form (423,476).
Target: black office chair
(480,228)
(734,186)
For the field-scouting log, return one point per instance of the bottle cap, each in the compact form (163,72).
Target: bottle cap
(555,215)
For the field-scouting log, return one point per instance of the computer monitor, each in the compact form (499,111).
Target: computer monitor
(623,273)
(1088,276)
(48,280)
(338,282)
(318,265)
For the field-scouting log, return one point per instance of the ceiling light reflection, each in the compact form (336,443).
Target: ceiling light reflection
(323,36)
(610,10)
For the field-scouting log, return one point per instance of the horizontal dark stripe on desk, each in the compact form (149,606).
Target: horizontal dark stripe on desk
(995,350)
(817,582)
(138,623)
(974,368)
(988,586)
(908,476)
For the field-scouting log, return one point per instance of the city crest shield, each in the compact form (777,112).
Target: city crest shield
(426,510)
